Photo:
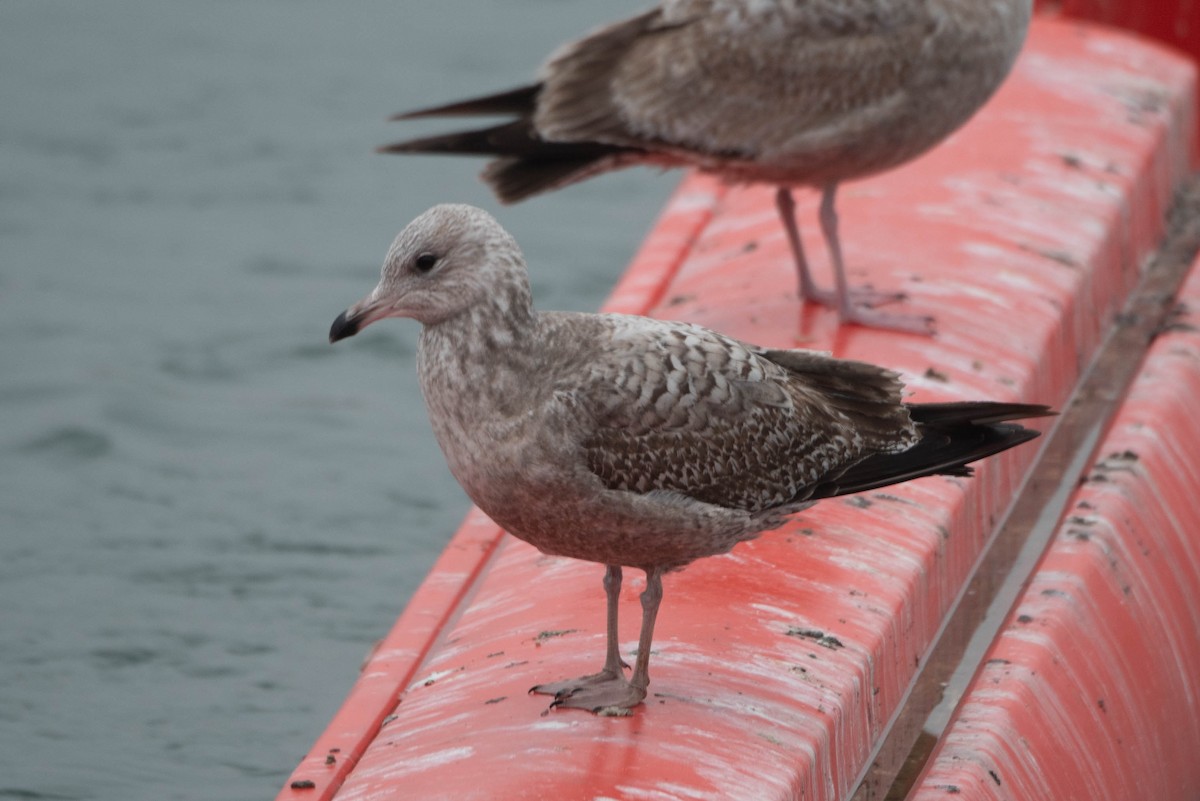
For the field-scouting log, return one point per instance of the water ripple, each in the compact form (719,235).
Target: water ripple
(70,442)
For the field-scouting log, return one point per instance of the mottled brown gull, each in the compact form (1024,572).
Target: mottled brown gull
(789,93)
(630,441)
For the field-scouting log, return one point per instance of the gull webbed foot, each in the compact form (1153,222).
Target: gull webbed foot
(602,693)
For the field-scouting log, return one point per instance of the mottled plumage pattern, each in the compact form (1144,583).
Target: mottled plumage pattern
(630,441)
(681,408)
(790,92)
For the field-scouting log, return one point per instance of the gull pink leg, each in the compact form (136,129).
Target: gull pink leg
(613,665)
(606,692)
(786,205)
(651,598)
(853,305)
(809,290)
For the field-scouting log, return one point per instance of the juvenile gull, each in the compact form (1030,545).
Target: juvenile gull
(637,442)
(793,92)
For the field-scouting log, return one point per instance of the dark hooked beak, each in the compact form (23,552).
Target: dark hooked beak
(360,315)
(347,324)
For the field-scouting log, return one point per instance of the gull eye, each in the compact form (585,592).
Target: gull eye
(425,262)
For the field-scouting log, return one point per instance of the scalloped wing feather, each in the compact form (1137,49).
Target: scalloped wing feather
(690,411)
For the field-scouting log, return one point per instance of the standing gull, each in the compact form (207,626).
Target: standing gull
(789,93)
(637,442)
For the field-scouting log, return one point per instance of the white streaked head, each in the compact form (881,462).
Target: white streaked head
(446,261)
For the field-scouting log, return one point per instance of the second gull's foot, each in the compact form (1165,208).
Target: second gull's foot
(860,310)
(873,318)
(859,296)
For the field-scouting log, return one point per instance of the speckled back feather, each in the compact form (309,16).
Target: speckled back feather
(683,409)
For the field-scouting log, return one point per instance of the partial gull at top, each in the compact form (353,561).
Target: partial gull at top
(789,93)
(637,442)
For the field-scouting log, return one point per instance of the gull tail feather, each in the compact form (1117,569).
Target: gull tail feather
(952,436)
(527,164)
(516,102)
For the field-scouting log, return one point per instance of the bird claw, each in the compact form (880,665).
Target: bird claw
(871,318)
(860,308)
(858,296)
(602,694)
(920,324)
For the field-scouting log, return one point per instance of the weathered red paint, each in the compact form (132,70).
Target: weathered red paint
(1176,22)
(1092,690)
(1022,234)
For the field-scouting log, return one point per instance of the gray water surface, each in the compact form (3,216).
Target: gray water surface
(208,514)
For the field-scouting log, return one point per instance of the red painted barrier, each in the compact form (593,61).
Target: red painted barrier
(1022,235)
(1176,22)
(1092,690)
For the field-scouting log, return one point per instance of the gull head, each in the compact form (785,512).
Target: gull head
(450,259)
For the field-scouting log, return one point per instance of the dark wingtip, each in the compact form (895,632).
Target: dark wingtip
(518,101)
(421,113)
(343,327)
(413,146)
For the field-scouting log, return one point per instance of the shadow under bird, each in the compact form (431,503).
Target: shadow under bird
(636,442)
(788,93)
